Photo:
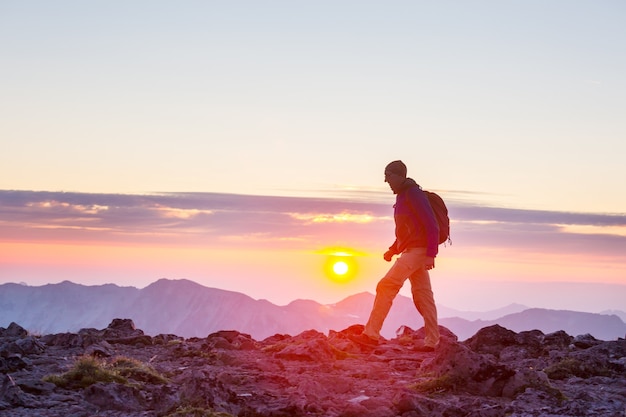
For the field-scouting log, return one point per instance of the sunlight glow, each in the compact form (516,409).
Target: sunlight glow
(177,213)
(341,251)
(340,268)
(340,265)
(343,217)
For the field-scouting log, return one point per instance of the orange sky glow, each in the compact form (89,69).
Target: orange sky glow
(283,249)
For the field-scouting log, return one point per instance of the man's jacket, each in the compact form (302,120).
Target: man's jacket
(416,226)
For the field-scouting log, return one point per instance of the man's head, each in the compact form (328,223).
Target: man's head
(395,174)
(396,167)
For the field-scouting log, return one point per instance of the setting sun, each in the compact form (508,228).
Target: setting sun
(340,265)
(340,268)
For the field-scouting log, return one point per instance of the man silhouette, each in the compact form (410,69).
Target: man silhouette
(416,242)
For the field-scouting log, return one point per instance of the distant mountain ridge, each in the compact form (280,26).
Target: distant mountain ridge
(188,309)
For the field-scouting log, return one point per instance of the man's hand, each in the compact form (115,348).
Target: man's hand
(388,255)
(429,263)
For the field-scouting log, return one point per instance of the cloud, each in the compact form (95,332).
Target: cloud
(508,215)
(287,222)
(343,217)
(180,217)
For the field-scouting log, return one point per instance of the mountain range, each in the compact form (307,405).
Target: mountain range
(188,309)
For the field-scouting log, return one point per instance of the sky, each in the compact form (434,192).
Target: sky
(242,145)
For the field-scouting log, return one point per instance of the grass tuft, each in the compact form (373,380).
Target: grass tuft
(137,370)
(88,370)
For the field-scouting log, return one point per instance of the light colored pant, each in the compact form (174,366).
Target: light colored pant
(409,265)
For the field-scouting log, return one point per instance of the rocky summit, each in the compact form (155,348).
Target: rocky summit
(120,371)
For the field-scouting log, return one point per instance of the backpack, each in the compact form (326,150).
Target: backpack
(441,214)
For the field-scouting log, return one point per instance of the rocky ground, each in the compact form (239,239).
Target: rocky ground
(119,371)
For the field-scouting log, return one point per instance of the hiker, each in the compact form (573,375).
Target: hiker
(417,234)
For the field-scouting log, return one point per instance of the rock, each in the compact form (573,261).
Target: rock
(557,340)
(230,339)
(496,372)
(523,379)
(117,397)
(123,326)
(29,346)
(13,331)
(585,341)
(101,350)
(460,369)
(164,339)
(307,346)
(492,340)
(12,363)
(137,340)
(21,347)
(10,394)
(66,340)
(36,386)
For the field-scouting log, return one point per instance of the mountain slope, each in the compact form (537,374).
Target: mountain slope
(63,307)
(189,309)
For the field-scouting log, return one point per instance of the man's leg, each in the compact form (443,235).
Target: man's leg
(425,303)
(386,291)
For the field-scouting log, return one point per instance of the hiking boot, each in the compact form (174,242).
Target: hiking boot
(363,340)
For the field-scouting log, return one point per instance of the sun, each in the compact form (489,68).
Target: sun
(340,267)
(341,263)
